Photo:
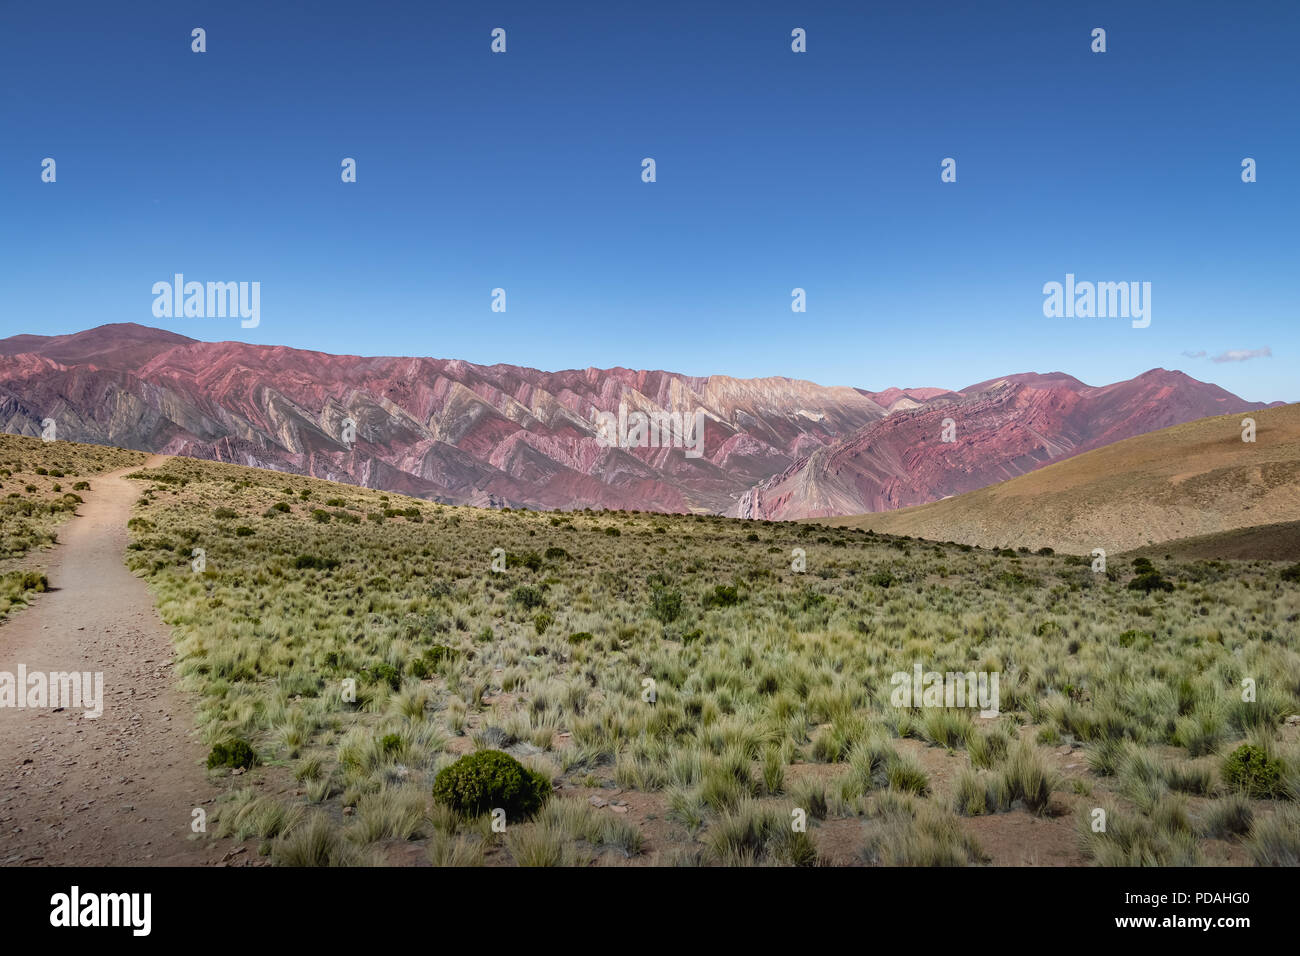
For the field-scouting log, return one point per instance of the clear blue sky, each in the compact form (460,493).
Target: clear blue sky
(775,170)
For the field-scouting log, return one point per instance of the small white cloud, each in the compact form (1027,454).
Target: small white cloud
(1243,355)
(1189,354)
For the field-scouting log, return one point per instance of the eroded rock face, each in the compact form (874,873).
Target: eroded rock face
(442,429)
(1000,429)
(503,435)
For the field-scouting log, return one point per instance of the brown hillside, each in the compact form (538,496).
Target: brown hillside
(1266,542)
(1182,482)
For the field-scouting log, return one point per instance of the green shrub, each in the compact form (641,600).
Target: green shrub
(1149,581)
(311,561)
(1016,579)
(665,604)
(427,664)
(529,559)
(527,596)
(385,673)
(32,581)
(1292,573)
(439,653)
(480,782)
(722,596)
(811,600)
(1132,636)
(234,753)
(1253,772)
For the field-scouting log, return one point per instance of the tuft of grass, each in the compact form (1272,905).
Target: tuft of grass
(1027,778)
(905,774)
(1228,817)
(978,793)
(919,835)
(1132,839)
(752,834)
(445,849)
(1274,840)
(314,842)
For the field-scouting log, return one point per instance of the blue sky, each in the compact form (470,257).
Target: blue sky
(775,170)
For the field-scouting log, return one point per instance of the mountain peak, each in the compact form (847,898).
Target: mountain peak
(1033,379)
(115,345)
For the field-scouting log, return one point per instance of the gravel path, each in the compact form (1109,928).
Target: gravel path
(120,789)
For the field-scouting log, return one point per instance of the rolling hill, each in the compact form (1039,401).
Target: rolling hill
(1190,480)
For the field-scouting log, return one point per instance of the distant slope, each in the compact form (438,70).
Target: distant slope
(1265,542)
(1194,479)
(998,429)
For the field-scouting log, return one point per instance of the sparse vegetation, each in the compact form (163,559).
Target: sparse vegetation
(29,519)
(704,680)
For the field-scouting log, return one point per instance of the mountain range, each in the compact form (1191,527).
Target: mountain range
(1195,489)
(507,436)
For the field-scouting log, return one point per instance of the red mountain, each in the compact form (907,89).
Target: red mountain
(999,429)
(503,435)
(441,429)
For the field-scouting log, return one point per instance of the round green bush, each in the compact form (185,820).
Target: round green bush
(480,782)
(1149,581)
(235,753)
(1253,772)
(528,596)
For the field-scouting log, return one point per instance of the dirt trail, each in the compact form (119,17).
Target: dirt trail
(119,789)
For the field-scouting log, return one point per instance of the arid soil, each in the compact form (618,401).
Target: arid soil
(120,789)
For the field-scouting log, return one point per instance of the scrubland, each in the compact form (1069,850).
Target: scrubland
(688,697)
